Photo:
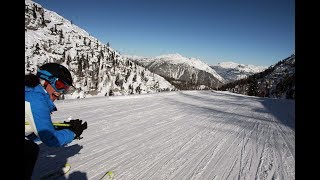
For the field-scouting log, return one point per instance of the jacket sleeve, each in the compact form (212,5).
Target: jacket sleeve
(42,119)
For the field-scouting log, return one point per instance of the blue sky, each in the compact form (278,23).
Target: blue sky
(258,32)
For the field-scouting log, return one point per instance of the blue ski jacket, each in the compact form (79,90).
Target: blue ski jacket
(41,108)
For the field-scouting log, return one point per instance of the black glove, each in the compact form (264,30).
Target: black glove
(77,127)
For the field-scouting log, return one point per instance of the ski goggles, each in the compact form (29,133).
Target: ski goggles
(56,83)
(59,85)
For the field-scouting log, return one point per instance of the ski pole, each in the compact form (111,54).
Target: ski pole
(54,124)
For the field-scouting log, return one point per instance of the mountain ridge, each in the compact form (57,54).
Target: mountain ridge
(277,81)
(97,68)
(181,70)
(232,71)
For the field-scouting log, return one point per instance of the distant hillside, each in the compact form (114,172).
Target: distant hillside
(232,71)
(183,73)
(277,81)
(97,68)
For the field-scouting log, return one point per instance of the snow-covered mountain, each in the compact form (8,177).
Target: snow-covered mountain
(97,68)
(276,81)
(232,71)
(181,71)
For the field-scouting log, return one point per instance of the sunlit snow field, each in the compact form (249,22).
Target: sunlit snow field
(177,135)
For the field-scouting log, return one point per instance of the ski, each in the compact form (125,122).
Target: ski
(108,174)
(57,173)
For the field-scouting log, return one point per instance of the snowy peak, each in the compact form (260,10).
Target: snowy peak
(228,65)
(183,72)
(232,71)
(174,57)
(246,68)
(193,62)
(178,60)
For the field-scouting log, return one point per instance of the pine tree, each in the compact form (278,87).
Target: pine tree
(111,92)
(37,49)
(34,11)
(252,87)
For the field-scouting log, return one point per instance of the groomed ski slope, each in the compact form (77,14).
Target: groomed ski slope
(177,135)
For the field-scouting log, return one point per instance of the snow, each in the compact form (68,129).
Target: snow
(232,71)
(177,59)
(246,68)
(193,62)
(51,47)
(177,135)
(241,67)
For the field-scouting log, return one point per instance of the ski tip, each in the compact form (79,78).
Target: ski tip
(66,168)
(57,173)
(108,174)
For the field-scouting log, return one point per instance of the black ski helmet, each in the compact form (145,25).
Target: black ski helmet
(59,71)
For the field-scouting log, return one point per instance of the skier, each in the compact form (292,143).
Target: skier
(41,90)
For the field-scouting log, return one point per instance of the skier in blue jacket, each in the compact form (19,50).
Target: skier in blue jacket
(41,90)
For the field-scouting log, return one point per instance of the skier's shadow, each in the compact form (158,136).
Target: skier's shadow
(54,158)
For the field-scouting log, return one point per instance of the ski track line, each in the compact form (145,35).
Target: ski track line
(257,150)
(159,131)
(216,162)
(277,161)
(90,124)
(128,121)
(284,137)
(130,117)
(92,137)
(267,166)
(248,159)
(113,117)
(204,148)
(237,156)
(181,166)
(267,154)
(106,103)
(278,132)
(289,143)
(126,164)
(157,126)
(187,145)
(264,153)
(104,110)
(273,173)
(164,139)
(192,135)
(252,164)
(88,102)
(196,160)
(201,138)
(110,149)
(120,137)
